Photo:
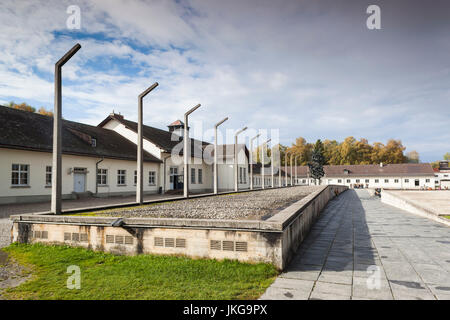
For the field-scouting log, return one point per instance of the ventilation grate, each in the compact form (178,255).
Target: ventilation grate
(180,243)
(109,238)
(159,242)
(67,236)
(40,234)
(169,242)
(215,245)
(83,237)
(228,245)
(119,239)
(75,237)
(128,240)
(241,246)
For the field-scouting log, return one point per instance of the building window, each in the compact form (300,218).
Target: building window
(348,180)
(200,175)
(48,175)
(376,180)
(19,174)
(121,177)
(427,180)
(436,181)
(193,175)
(173,172)
(339,180)
(304,181)
(152,178)
(242,175)
(386,180)
(93,142)
(102,177)
(357,181)
(367,180)
(395,180)
(406,180)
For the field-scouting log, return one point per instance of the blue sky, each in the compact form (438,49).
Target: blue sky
(307,68)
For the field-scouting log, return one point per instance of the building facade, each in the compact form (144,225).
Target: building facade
(101,160)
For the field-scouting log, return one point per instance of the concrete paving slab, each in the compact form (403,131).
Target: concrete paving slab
(412,252)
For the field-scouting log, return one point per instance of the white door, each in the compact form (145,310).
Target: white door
(79,182)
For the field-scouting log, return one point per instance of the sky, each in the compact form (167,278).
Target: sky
(305,68)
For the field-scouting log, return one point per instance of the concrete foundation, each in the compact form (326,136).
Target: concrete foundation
(274,240)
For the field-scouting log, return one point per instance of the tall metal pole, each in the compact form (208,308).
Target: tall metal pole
(187,151)
(57,137)
(292,178)
(271,165)
(251,159)
(264,153)
(236,183)
(215,154)
(279,169)
(285,167)
(140,149)
(295,182)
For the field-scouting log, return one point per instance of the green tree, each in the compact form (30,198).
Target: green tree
(447,156)
(317,161)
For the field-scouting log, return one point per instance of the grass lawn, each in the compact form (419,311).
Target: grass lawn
(448,217)
(108,276)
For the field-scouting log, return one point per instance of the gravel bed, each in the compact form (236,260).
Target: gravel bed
(257,205)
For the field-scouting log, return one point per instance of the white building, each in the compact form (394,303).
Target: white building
(388,176)
(442,175)
(101,160)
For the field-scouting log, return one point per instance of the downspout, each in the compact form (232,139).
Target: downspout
(96,173)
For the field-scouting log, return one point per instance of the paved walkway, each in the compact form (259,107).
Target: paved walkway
(361,248)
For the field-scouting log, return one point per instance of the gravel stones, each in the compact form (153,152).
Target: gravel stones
(257,205)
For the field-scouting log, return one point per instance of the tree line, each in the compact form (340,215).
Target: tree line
(26,107)
(348,152)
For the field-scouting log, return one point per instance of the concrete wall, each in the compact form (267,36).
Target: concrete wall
(398,201)
(273,241)
(37,190)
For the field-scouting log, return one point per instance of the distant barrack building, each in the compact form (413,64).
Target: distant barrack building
(388,176)
(101,161)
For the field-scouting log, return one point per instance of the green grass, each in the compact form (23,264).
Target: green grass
(108,276)
(448,217)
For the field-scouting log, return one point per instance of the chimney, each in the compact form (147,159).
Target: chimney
(177,127)
(116,115)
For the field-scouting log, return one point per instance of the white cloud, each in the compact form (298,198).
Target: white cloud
(309,67)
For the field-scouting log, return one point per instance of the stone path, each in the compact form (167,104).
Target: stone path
(361,248)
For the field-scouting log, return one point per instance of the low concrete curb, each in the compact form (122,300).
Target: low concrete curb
(400,202)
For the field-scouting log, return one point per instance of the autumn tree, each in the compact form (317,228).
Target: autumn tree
(45,112)
(413,156)
(23,106)
(447,156)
